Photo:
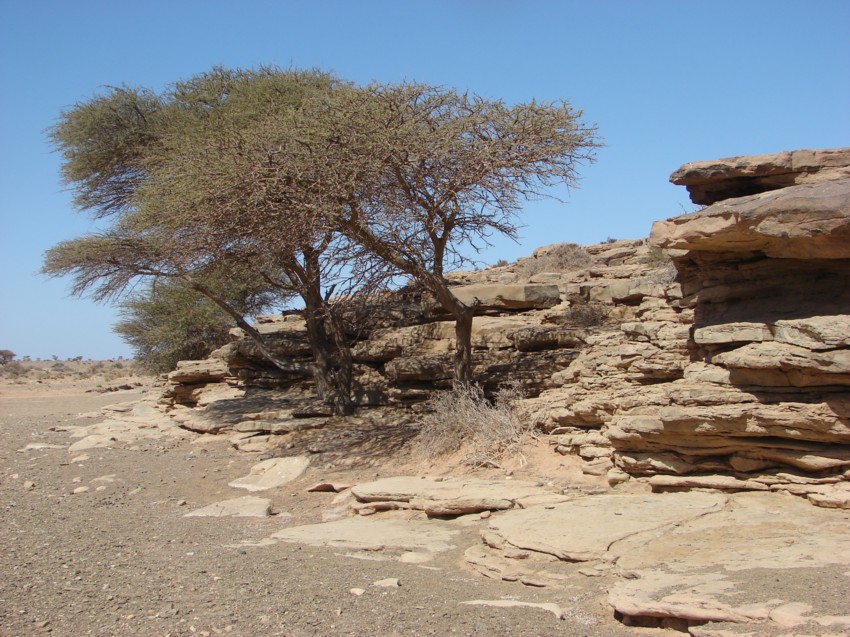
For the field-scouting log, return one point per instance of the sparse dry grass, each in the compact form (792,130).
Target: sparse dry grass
(563,257)
(485,433)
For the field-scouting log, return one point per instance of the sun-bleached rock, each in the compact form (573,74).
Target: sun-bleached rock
(454,496)
(706,566)
(208,370)
(247,506)
(800,222)
(272,473)
(588,528)
(550,607)
(715,180)
(368,534)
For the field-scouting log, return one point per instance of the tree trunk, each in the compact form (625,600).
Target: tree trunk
(330,348)
(463,346)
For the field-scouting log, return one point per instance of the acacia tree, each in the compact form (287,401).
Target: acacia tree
(178,172)
(167,322)
(420,176)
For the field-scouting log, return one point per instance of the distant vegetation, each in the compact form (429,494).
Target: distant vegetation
(71,369)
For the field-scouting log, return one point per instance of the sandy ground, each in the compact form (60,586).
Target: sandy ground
(120,558)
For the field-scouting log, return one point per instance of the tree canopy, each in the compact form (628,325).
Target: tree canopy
(314,185)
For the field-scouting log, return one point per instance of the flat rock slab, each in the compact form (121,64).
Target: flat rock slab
(248,506)
(686,558)
(586,529)
(370,534)
(455,496)
(124,429)
(512,603)
(272,473)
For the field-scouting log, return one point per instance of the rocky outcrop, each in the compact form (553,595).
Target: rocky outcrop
(716,355)
(737,368)
(711,181)
(765,388)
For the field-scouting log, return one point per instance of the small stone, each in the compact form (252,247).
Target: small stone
(485,514)
(29,484)
(357,591)
(81,458)
(390,582)
(79,490)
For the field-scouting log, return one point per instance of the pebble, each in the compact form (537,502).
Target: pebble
(357,591)
(29,484)
(79,490)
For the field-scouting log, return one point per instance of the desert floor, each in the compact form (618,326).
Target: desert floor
(120,559)
(96,543)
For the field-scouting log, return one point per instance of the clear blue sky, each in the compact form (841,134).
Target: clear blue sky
(666,81)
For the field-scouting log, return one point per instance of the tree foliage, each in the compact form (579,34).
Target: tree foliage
(175,180)
(6,356)
(421,176)
(166,322)
(316,186)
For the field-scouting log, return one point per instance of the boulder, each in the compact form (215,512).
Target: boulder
(205,371)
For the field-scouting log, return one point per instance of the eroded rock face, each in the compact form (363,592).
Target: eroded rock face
(800,222)
(711,181)
(718,351)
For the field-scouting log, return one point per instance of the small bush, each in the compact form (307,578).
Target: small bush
(14,369)
(484,432)
(664,269)
(656,257)
(563,257)
(586,314)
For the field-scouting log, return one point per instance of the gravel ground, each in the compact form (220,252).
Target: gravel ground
(120,558)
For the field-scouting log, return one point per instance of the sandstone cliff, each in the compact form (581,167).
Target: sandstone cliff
(714,355)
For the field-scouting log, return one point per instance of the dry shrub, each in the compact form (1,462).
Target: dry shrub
(586,314)
(563,257)
(14,369)
(484,432)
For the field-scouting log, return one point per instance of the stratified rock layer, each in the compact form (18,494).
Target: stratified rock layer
(720,350)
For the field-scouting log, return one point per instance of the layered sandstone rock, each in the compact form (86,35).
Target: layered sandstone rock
(712,181)
(717,354)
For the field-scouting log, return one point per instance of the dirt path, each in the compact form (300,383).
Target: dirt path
(119,558)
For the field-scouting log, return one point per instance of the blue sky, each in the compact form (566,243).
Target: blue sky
(665,81)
